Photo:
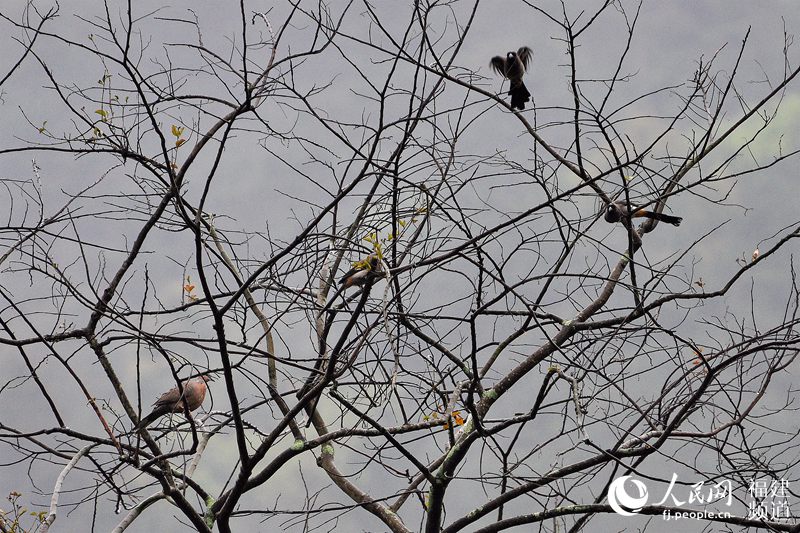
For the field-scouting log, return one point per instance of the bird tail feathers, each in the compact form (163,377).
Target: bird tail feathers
(669,219)
(519,95)
(149,419)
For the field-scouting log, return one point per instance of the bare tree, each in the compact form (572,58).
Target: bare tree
(523,327)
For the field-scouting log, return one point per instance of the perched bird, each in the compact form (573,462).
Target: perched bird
(616,211)
(513,66)
(172,401)
(361,273)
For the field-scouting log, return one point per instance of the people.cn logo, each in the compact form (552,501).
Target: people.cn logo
(622,502)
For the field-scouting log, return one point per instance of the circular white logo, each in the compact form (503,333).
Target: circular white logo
(622,502)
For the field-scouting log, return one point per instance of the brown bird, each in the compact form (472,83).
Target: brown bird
(616,211)
(172,401)
(513,66)
(361,273)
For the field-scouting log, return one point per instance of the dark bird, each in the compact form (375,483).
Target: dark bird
(361,273)
(172,401)
(513,67)
(616,211)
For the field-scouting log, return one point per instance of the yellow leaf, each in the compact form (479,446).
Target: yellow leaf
(44,127)
(402,223)
(188,287)
(102,112)
(179,143)
(457,418)
(176,131)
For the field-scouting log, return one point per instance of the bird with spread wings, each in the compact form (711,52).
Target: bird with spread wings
(513,67)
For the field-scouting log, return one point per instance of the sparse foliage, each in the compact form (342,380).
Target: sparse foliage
(201,181)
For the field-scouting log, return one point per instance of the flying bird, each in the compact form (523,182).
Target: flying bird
(616,211)
(513,67)
(172,401)
(361,273)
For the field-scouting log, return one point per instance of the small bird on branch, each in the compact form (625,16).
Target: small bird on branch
(363,272)
(512,67)
(172,401)
(616,211)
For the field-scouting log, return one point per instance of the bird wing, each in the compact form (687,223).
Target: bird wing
(173,396)
(524,54)
(349,273)
(170,397)
(498,64)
